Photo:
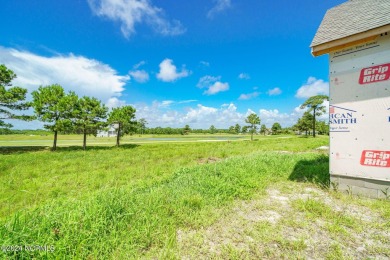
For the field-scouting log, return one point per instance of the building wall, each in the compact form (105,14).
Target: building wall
(360,117)
(110,133)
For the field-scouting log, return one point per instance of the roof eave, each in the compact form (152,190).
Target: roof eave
(348,41)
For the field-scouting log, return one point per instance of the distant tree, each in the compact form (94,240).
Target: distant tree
(186,129)
(244,129)
(322,127)
(52,105)
(237,128)
(315,105)
(276,128)
(305,122)
(253,120)
(231,130)
(11,98)
(122,119)
(89,115)
(263,129)
(212,129)
(287,130)
(142,125)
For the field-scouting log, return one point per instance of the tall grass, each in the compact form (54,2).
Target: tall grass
(129,202)
(134,222)
(30,178)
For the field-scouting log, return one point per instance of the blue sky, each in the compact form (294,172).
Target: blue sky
(196,62)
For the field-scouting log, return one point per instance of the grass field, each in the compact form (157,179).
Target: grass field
(76,140)
(186,198)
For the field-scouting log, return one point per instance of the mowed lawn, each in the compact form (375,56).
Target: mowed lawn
(77,140)
(159,199)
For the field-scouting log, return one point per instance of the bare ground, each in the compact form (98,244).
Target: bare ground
(292,220)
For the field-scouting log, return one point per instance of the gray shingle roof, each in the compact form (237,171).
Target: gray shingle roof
(352,17)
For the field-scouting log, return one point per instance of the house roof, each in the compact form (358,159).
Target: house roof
(351,18)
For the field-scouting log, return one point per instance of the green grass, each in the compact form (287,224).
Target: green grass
(128,221)
(30,178)
(76,140)
(130,202)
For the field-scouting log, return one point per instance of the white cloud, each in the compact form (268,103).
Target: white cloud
(274,92)
(205,63)
(248,96)
(169,73)
(115,102)
(77,73)
(132,12)
(271,116)
(244,76)
(313,87)
(199,116)
(139,64)
(187,101)
(268,117)
(298,110)
(207,81)
(203,116)
(216,88)
(220,6)
(249,112)
(140,76)
(166,103)
(213,85)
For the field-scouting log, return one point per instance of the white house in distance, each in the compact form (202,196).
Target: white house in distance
(111,132)
(356,35)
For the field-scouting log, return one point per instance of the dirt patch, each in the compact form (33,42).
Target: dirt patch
(272,226)
(208,160)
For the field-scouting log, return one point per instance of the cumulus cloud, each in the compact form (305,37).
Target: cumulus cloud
(131,12)
(203,116)
(271,116)
(249,112)
(199,116)
(298,112)
(220,6)
(274,92)
(141,76)
(206,81)
(216,88)
(115,102)
(213,85)
(248,96)
(77,73)
(169,73)
(244,76)
(313,87)
(268,117)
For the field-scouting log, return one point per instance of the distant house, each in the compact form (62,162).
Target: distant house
(110,132)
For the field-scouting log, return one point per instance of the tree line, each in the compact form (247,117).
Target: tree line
(61,111)
(66,112)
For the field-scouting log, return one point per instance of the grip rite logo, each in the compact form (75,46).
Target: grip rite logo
(375,74)
(375,158)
